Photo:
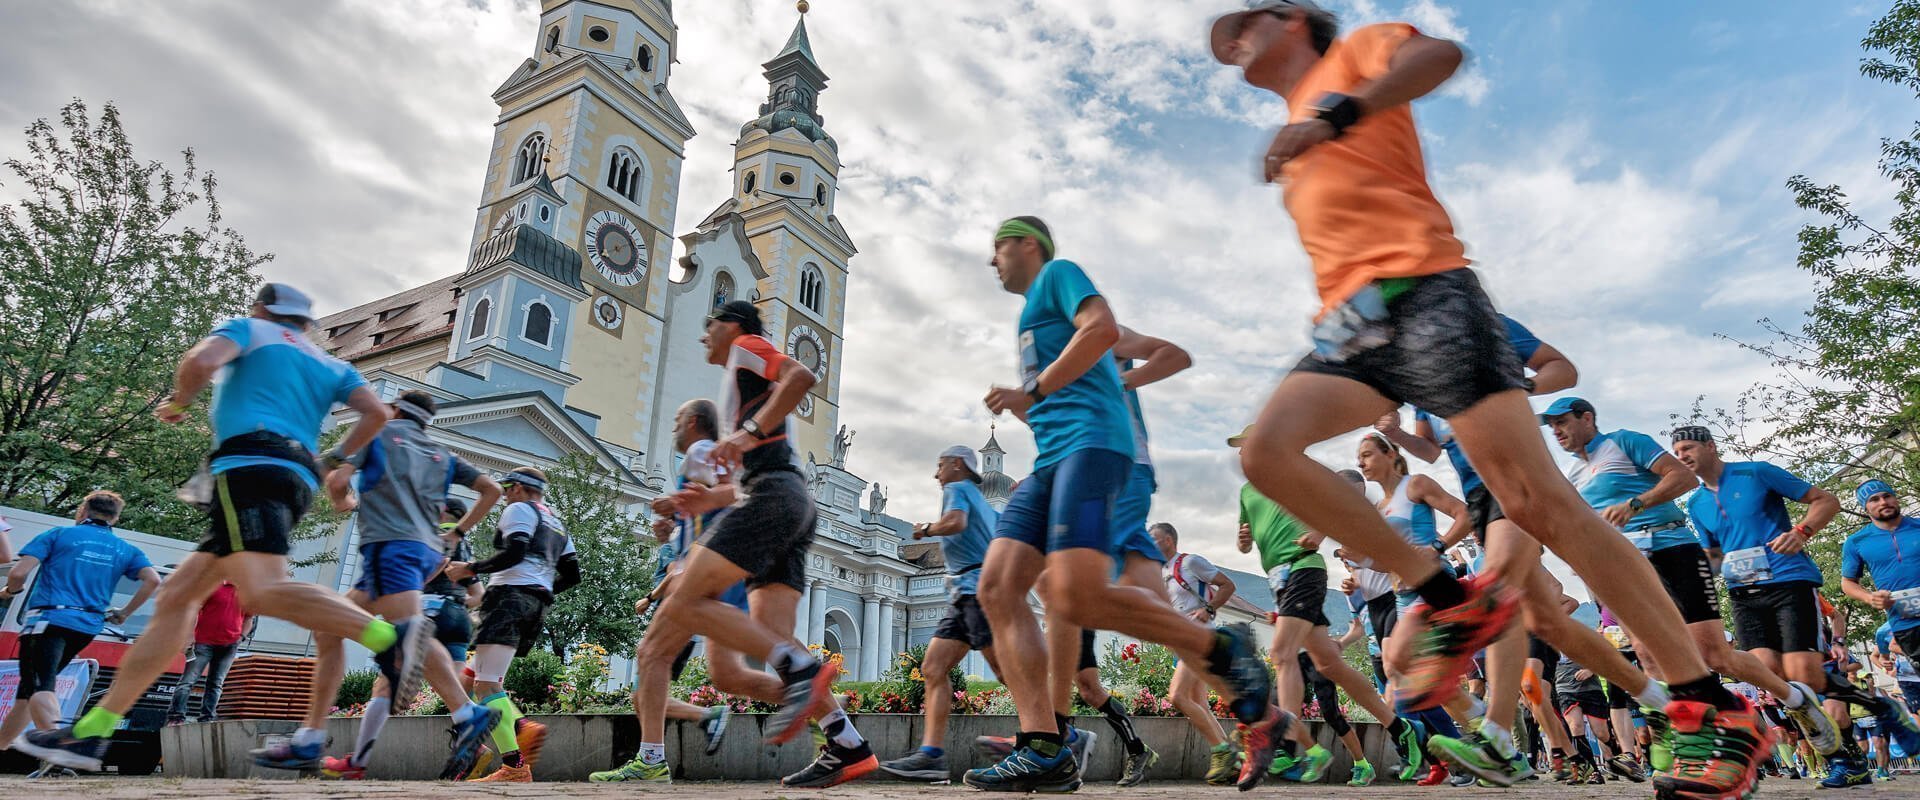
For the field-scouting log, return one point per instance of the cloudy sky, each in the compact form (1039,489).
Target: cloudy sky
(1615,168)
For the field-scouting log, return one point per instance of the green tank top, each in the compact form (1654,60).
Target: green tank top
(1274,532)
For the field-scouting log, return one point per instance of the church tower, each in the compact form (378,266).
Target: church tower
(588,150)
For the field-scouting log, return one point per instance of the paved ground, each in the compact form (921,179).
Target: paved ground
(183,789)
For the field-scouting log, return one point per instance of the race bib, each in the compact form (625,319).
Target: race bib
(1029,362)
(1353,327)
(1747,566)
(1642,540)
(1906,603)
(1277,577)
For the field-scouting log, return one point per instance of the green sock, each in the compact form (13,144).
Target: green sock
(378,636)
(503,738)
(97,723)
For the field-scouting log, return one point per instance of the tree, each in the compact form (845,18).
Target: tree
(110,267)
(616,560)
(1845,403)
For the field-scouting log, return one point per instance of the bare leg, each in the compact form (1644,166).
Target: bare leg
(1190,697)
(1326,658)
(1063,650)
(175,607)
(1079,580)
(1711,636)
(1010,571)
(1290,687)
(942,655)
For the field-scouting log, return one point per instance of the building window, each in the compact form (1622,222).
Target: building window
(786,179)
(553,38)
(750,183)
(539,329)
(722,289)
(820,195)
(644,58)
(598,34)
(477,320)
(812,286)
(624,173)
(528,160)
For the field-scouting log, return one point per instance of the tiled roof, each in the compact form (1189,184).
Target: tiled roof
(415,315)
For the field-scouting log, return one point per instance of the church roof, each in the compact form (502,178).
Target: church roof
(797,43)
(528,247)
(418,314)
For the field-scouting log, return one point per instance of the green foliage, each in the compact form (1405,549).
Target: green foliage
(616,562)
(110,268)
(1135,667)
(356,688)
(533,679)
(905,669)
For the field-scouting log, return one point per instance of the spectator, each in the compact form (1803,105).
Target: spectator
(216,640)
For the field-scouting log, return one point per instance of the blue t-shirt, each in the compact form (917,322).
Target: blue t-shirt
(1524,343)
(280,383)
(1748,511)
(1090,412)
(1884,553)
(1142,455)
(967,550)
(1618,468)
(79,567)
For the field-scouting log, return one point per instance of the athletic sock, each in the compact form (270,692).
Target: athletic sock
(97,723)
(791,661)
(309,737)
(1705,689)
(1498,736)
(371,721)
(465,712)
(933,752)
(1476,707)
(1442,591)
(503,738)
(378,635)
(1795,698)
(1654,695)
(1048,745)
(653,752)
(840,729)
(1064,725)
(1122,725)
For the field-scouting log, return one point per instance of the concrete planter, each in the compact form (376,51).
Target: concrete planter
(415,748)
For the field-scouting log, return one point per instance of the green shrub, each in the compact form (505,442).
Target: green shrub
(355,689)
(533,679)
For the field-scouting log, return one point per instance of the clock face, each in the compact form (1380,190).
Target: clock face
(607,312)
(616,249)
(805,347)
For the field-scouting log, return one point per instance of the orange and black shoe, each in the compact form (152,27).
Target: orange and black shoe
(1716,751)
(530,736)
(835,765)
(1258,741)
(1444,651)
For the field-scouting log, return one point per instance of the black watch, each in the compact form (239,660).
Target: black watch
(1339,110)
(753,428)
(1636,505)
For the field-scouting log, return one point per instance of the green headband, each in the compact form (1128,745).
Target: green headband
(1016,228)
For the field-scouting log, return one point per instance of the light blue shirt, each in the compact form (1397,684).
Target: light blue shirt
(1618,468)
(1091,412)
(1748,511)
(1893,557)
(79,567)
(280,383)
(967,550)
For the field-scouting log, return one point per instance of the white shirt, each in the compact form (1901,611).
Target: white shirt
(1188,576)
(540,567)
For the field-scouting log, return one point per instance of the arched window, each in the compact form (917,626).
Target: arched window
(624,173)
(643,58)
(477,318)
(722,289)
(751,182)
(553,38)
(812,286)
(539,328)
(820,194)
(528,161)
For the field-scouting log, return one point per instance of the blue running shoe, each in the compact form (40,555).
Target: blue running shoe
(1898,723)
(467,739)
(1845,773)
(282,753)
(1027,771)
(62,748)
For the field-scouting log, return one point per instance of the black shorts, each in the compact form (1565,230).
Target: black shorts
(1088,658)
(1590,703)
(1483,509)
(680,661)
(255,510)
(44,654)
(965,622)
(1618,697)
(1782,617)
(1304,596)
(768,534)
(512,616)
(1384,613)
(1448,349)
(1688,577)
(1909,640)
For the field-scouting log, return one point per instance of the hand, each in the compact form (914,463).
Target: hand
(459,570)
(1310,540)
(729,450)
(1617,515)
(698,499)
(1200,615)
(663,506)
(1788,543)
(662,529)
(344,503)
(1245,538)
(116,616)
(8,593)
(1007,399)
(1291,141)
(1388,423)
(1881,600)
(921,530)
(1583,674)
(172,411)
(1348,584)
(640,606)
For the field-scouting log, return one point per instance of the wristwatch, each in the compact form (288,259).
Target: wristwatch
(1636,505)
(752,428)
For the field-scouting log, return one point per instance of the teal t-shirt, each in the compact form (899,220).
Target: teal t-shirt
(1089,413)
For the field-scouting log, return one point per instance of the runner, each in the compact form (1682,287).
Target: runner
(964,528)
(763,540)
(1199,590)
(79,566)
(403,480)
(277,389)
(1899,665)
(696,427)
(1583,703)
(1740,512)
(1404,320)
(446,600)
(1060,518)
(1877,549)
(533,561)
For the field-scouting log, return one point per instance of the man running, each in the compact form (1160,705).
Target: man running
(1199,590)
(1405,320)
(1060,519)
(277,389)
(404,476)
(964,528)
(533,561)
(1877,549)
(1740,511)
(79,566)
(446,600)
(762,540)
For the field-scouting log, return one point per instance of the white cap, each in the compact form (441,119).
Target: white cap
(967,459)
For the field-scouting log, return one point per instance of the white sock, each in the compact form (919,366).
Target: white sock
(1476,707)
(306,737)
(789,657)
(466,711)
(1498,735)
(371,722)
(653,752)
(1795,698)
(1654,696)
(840,729)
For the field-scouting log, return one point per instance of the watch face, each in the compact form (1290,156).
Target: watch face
(607,312)
(615,248)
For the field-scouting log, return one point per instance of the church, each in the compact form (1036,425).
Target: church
(574,325)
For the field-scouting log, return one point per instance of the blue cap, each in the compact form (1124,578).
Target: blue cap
(1871,489)
(1565,405)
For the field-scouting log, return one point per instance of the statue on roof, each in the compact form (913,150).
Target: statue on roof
(842,442)
(877,500)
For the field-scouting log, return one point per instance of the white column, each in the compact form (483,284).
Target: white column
(886,633)
(870,644)
(803,615)
(817,613)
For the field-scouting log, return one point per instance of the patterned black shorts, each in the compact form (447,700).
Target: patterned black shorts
(1448,350)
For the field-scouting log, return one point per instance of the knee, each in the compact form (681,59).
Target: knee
(998,595)
(1529,509)
(175,599)
(1268,458)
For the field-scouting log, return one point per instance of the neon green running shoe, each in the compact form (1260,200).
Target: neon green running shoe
(1315,764)
(1362,774)
(636,770)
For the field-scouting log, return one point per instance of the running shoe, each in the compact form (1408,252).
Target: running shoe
(405,663)
(1716,751)
(1813,721)
(1596,776)
(1883,774)
(1282,763)
(1223,765)
(467,740)
(507,773)
(1081,743)
(1845,773)
(1624,766)
(61,748)
(1660,752)
(1027,771)
(805,697)
(51,772)
(1444,651)
(1562,772)
(1460,780)
(714,725)
(1314,764)
(635,771)
(993,748)
(1478,756)
(282,753)
(920,766)
(529,737)
(1899,724)
(1435,776)
(1410,745)
(835,765)
(336,768)
(1362,774)
(1134,772)
(1245,673)
(483,764)
(1258,741)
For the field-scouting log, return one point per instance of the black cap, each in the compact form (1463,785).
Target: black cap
(741,312)
(1693,433)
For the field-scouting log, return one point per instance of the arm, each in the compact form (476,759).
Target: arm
(149,582)
(1427,490)
(195,371)
(340,488)
(473,594)
(514,553)
(950,523)
(1094,334)
(1158,359)
(1355,632)
(568,573)
(490,492)
(1675,480)
(1822,507)
(1244,539)
(1552,372)
(790,384)
(17,578)
(1223,590)
(1418,67)
(373,416)
(1420,444)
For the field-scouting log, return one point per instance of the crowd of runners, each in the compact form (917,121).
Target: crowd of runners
(1472,635)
